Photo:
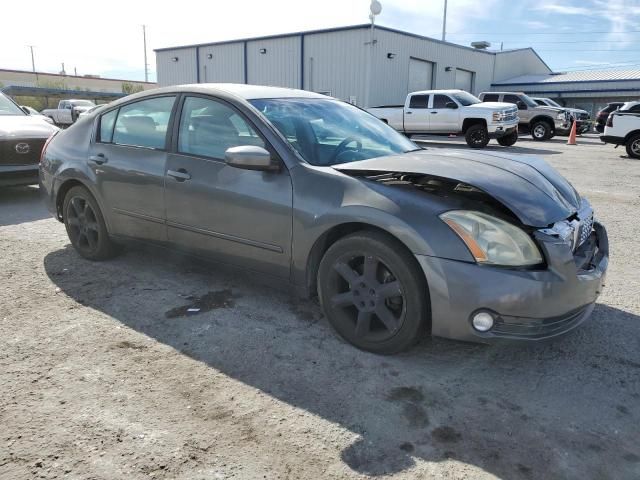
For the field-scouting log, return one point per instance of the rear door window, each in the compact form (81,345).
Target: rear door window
(144,123)
(418,101)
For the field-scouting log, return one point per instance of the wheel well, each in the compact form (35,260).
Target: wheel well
(330,237)
(472,121)
(630,135)
(543,119)
(62,192)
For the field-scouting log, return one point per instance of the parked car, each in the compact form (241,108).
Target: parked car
(68,111)
(453,112)
(582,117)
(396,240)
(541,122)
(601,117)
(35,114)
(21,141)
(623,128)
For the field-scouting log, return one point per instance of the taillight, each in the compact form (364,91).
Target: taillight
(46,144)
(610,120)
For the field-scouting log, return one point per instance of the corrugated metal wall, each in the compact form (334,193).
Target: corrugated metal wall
(225,65)
(390,83)
(518,62)
(335,62)
(278,66)
(176,72)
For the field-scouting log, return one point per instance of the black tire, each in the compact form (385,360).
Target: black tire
(509,139)
(373,293)
(633,146)
(85,225)
(477,136)
(541,131)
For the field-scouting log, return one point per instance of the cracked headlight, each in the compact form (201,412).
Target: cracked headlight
(492,240)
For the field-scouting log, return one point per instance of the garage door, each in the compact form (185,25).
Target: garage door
(420,75)
(464,80)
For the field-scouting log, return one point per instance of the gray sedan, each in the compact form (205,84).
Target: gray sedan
(397,241)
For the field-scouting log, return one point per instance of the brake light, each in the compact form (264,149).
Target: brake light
(610,120)
(46,144)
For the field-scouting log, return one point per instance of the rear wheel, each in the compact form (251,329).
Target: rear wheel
(633,146)
(509,139)
(85,225)
(541,131)
(477,136)
(373,293)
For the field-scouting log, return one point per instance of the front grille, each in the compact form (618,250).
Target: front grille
(510,115)
(19,151)
(586,227)
(516,327)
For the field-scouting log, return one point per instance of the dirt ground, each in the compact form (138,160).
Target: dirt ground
(105,374)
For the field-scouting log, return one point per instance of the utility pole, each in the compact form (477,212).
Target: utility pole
(144,41)
(33,62)
(444,23)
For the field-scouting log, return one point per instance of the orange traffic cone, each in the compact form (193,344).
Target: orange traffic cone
(572,135)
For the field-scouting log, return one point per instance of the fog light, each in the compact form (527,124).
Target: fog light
(482,321)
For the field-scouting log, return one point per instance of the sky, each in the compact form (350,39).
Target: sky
(106,38)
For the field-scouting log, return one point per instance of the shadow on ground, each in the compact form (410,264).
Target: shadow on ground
(21,205)
(439,142)
(562,409)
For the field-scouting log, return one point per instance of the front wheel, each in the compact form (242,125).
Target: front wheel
(541,131)
(373,293)
(477,136)
(633,146)
(509,139)
(85,225)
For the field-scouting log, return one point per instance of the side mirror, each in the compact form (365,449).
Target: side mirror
(250,157)
(451,105)
(521,105)
(26,110)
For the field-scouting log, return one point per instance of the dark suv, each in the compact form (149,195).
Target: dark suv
(601,117)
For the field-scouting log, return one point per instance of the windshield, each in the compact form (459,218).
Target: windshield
(329,132)
(82,103)
(466,99)
(7,107)
(552,103)
(528,100)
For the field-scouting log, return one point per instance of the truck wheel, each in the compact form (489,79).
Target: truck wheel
(477,136)
(509,139)
(541,131)
(633,146)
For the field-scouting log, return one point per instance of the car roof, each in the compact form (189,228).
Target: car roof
(426,92)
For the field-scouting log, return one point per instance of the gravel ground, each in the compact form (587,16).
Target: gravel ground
(105,374)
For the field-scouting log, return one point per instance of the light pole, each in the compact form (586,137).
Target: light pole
(144,41)
(33,62)
(444,22)
(375,8)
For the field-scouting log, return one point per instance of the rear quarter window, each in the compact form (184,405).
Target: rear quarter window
(107,121)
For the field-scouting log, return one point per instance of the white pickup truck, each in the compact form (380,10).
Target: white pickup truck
(68,111)
(623,128)
(453,112)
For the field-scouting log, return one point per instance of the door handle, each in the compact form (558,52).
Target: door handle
(180,175)
(434,113)
(408,113)
(98,159)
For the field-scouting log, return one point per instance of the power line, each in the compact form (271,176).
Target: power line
(495,34)
(587,50)
(604,66)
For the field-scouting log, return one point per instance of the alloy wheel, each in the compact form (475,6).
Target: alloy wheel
(539,131)
(635,147)
(368,297)
(83,225)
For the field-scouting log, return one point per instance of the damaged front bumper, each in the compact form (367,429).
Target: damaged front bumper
(526,304)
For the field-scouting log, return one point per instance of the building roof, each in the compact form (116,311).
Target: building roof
(79,77)
(328,30)
(573,77)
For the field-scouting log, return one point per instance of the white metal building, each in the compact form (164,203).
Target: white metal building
(588,89)
(336,62)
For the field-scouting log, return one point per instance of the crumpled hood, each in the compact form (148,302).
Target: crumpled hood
(528,186)
(24,126)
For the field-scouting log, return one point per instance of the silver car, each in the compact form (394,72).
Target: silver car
(397,241)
